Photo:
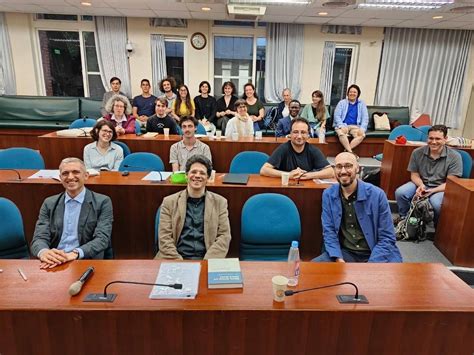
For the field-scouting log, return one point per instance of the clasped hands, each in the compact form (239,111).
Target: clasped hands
(54,257)
(297,174)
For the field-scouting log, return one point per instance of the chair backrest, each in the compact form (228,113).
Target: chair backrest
(411,134)
(425,130)
(200,129)
(125,148)
(270,222)
(249,162)
(157,227)
(466,163)
(138,128)
(12,236)
(83,122)
(142,162)
(21,158)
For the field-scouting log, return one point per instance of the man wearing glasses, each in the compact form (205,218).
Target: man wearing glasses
(302,160)
(356,218)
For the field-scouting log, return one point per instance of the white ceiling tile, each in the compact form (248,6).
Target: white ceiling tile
(95,3)
(347,21)
(201,15)
(65,10)
(167,6)
(450,24)
(279,19)
(101,11)
(136,12)
(381,22)
(317,20)
(465,17)
(172,14)
(27,8)
(392,14)
(137,5)
(286,10)
(446,16)
(415,23)
(331,12)
(196,7)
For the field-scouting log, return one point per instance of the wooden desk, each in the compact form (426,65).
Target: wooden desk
(54,148)
(454,233)
(414,309)
(135,203)
(395,163)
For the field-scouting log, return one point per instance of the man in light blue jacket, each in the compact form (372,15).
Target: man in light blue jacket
(351,119)
(356,219)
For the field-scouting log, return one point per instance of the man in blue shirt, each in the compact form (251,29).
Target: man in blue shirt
(356,218)
(351,119)
(76,224)
(144,104)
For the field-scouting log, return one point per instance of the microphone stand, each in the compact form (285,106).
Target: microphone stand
(341,298)
(16,171)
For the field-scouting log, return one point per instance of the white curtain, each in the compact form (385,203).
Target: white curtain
(284,60)
(158,61)
(425,69)
(111,39)
(325,83)
(7,73)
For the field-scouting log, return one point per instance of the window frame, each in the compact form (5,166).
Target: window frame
(354,61)
(183,40)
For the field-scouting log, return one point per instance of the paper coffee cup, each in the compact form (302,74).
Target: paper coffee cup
(258,135)
(212,178)
(218,133)
(285,178)
(279,287)
(166,131)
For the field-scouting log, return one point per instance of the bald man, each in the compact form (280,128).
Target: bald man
(356,218)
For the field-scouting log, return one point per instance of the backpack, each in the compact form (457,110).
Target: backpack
(269,121)
(419,222)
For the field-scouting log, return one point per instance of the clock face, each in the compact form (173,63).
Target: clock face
(198,40)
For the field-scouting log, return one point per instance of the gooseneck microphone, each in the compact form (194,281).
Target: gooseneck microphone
(76,287)
(16,171)
(142,168)
(110,297)
(341,298)
(299,178)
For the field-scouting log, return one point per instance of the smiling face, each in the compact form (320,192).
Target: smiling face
(166,86)
(294,109)
(315,99)
(346,168)
(105,134)
(228,90)
(73,176)
(204,89)
(242,110)
(436,142)
(352,94)
(299,134)
(197,177)
(160,109)
(249,91)
(183,92)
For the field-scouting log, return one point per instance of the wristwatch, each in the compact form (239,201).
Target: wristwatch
(77,253)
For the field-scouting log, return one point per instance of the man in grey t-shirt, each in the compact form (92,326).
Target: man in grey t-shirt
(429,167)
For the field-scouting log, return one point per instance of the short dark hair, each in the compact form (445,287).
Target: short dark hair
(169,79)
(300,119)
(98,126)
(439,128)
(188,118)
(239,102)
(144,81)
(355,87)
(299,103)
(208,85)
(115,78)
(161,100)
(231,84)
(201,159)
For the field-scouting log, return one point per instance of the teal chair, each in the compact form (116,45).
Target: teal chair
(142,161)
(466,163)
(21,158)
(82,123)
(12,236)
(249,162)
(125,148)
(270,222)
(424,130)
(410,133)
(201,129)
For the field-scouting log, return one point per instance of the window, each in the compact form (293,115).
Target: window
(174,49)
(343,74)
(240,60)
(70,66)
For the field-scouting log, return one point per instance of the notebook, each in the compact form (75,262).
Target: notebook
(237,179)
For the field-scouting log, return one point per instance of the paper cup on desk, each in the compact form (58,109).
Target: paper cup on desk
(166,131)
(285,178)
(279,287)
(218,134)
(210,135)
(212,178)
(235,136)
(258,135)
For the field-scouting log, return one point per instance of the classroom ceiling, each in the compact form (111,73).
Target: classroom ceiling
(459,15)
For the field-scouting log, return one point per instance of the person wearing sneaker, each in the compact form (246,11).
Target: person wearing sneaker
(356,218)
(429,168)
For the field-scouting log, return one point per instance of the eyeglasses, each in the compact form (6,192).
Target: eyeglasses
(347,166)
(106,131)
(119,106)
(294,107)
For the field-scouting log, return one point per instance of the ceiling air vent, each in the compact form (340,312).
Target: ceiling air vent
(246,12)
(334,4)
(462,9)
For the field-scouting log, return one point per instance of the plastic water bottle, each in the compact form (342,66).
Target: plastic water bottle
(293,264)
(322,135)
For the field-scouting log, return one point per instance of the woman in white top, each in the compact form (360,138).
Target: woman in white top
(241,123)
(102,154)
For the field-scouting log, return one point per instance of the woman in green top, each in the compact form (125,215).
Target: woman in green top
(255,107)
(316,113)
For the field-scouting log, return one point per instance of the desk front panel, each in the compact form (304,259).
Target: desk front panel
(135,203)
(413,309)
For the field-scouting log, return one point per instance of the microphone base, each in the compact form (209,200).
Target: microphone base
(349,299)
(99,297)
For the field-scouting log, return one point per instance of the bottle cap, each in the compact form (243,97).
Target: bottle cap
(294,244)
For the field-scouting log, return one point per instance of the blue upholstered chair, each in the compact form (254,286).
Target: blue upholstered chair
(249,162)
(411,134)
(269,223)
(21,158)
(125,148)
(83,122)
(142,162)
(201,129)
(466,163)
(157,227)
(12,236)
(138,128)
(424,130)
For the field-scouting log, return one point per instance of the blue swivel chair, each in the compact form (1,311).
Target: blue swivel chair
(249,162)
(411,134)
(424,130)
(83,122)
(12,236)
(269,223)
(125,148)
(200,129)
(157,227)
(21,158)
(142,162)
(466,163)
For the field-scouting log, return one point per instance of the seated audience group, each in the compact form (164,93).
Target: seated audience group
(194,223)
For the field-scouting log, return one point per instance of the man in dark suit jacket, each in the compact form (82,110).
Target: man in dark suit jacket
(76,224)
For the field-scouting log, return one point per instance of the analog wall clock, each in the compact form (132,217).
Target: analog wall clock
(198,40)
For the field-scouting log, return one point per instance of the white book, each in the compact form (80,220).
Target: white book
(185,273)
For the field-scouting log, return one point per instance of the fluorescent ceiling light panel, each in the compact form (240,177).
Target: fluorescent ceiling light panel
(270,2)
(405,4)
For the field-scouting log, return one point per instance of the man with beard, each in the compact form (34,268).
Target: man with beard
(356,218)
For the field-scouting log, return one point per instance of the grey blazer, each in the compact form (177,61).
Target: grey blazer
(94,227)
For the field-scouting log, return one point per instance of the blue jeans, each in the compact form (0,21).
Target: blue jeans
(405,193)
(347,255)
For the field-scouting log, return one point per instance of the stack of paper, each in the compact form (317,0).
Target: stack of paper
(186,274)
(224,273)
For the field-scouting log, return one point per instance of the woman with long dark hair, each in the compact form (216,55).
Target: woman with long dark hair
(183,105)
(316,113)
